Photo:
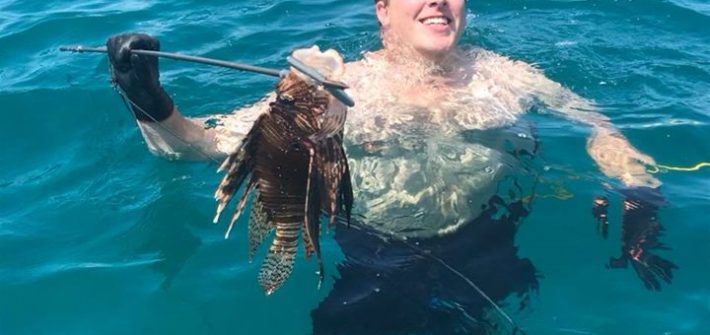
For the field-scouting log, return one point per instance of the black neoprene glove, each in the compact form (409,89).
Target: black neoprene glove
(138,76)
(640,236)
(600,209)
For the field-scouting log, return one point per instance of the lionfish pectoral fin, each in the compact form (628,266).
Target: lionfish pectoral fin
(238,166)
(229,185)
(240,208)
(220,208)
(281,257)
(239,154)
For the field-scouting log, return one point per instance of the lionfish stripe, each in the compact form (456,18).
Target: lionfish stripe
(259,228)
(332,124)
(227,188)
(227,161)
(240,165)
(243,148)
(233,158)
(283,237)
(240,208)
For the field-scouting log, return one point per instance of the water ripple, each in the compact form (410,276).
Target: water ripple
(85,208)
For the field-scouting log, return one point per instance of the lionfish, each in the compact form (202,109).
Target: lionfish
(293,161)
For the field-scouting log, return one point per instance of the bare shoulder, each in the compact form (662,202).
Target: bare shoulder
(488,60)
(356,70)
(353,72)
(354,66)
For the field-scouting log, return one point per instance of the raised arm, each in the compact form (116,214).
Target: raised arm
(166,131)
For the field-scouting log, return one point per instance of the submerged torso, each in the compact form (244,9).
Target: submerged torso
(425,156)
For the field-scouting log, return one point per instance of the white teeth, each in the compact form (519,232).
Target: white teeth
(435,20)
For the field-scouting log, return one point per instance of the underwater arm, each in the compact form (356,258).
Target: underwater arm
(616,157)
(610,150)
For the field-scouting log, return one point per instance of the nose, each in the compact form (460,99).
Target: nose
(437,3)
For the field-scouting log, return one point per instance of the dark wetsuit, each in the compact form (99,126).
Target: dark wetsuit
(392,287)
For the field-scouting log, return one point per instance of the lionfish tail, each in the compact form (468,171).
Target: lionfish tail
(276,269)
(281,257)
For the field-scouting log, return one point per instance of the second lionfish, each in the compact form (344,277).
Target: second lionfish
(293,162)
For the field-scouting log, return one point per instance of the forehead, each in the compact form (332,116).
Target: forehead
(386,2)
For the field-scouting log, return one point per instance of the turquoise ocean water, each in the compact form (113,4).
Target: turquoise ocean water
(99,237)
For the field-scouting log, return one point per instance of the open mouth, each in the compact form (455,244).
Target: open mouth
(436,20)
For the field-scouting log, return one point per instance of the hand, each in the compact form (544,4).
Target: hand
(138,76)
(617,158)
(599,211)
(640,235)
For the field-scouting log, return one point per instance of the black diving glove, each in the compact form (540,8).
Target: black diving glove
(600,209)
(640,236)
(138,76)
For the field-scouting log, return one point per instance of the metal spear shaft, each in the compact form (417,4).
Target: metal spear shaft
(204,60)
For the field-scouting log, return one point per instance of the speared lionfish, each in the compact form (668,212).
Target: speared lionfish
(293,160)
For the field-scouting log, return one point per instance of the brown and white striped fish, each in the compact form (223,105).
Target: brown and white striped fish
(293,162)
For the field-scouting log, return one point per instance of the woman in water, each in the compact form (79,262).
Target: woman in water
(438,152)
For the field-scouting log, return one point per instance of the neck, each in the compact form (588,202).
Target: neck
(414,64)
(402,54)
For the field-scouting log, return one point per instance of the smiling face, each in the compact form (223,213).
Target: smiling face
(431,27)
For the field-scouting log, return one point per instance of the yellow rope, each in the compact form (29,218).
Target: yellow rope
(665,168)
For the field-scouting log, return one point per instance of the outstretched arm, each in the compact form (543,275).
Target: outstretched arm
(612,152)
(179,137)
(166,131)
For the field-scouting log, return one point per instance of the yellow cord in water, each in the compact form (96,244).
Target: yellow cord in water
(665,168)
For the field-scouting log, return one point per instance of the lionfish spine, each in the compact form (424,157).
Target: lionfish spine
(240,165)
(240,208)
(307,204)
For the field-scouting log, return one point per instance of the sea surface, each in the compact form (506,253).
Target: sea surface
(97,236)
